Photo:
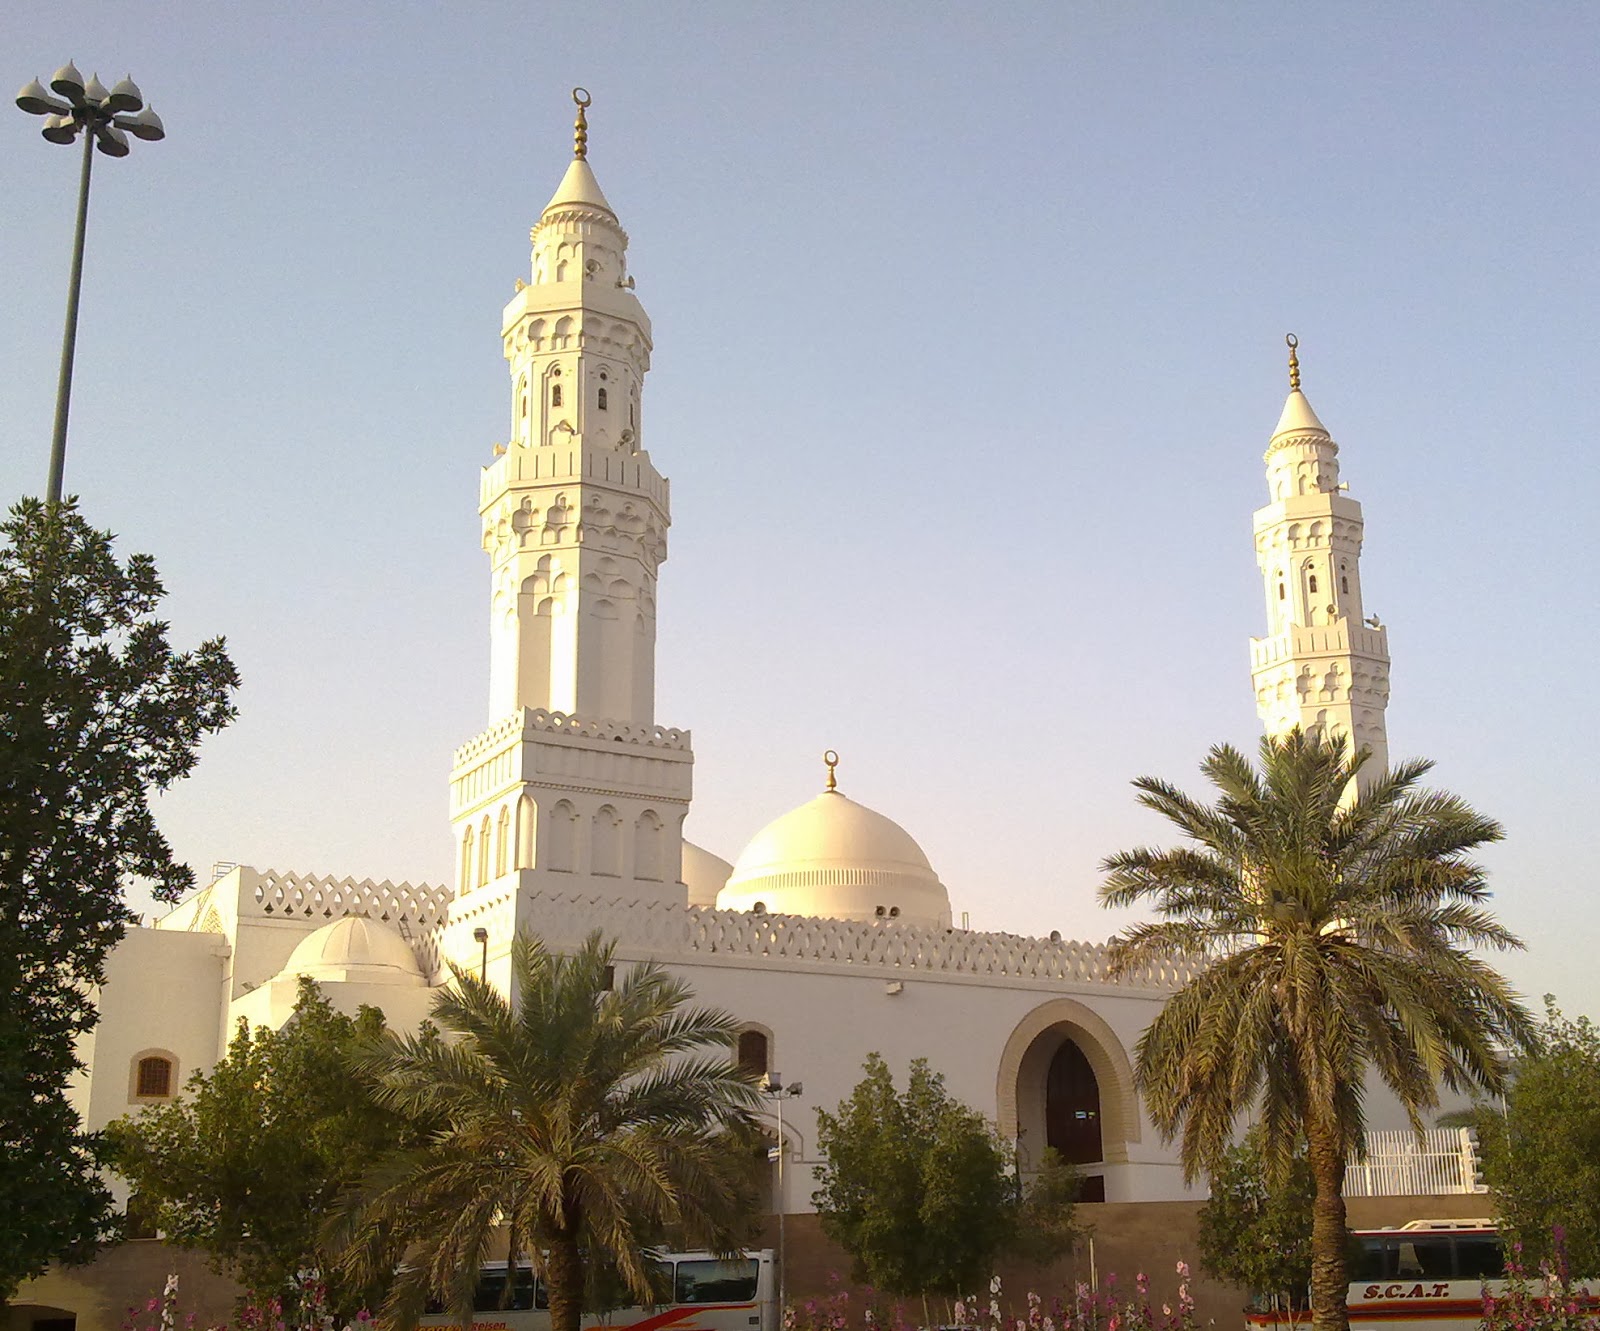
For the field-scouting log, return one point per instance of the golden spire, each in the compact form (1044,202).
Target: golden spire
(580,127)
(832,760)
(1294,361)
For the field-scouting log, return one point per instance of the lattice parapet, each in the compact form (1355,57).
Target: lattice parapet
(665,930)
(309,896)
(559,723)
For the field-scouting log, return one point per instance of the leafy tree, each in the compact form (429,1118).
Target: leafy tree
(1255,1233)
(580,1119)
(1046,1229)
(917,1188)
(96,711)
(246,1164)
(1337,935)
(1541,1157)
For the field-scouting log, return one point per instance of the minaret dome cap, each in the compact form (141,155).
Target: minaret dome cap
(1297,416)
(579,188)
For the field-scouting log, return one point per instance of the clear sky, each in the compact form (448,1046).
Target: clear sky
(969,338)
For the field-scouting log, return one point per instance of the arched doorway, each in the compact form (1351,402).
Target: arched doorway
(1072,1107)
(1066,1082)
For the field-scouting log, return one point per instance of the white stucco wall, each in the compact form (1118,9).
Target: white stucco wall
(163,993)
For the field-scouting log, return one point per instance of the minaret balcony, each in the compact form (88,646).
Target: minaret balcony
(1300,641)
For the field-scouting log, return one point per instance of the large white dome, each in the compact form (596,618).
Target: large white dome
(355,949)
(840,860)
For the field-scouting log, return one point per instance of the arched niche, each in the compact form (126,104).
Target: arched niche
(1034,1050)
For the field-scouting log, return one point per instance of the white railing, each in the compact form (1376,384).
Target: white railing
(1404,1164)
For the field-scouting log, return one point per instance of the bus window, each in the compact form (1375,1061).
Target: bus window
(660,1273)
(717,1282)
(1425,1258)
(492,1287)
(1479,1257)
(1375,1260)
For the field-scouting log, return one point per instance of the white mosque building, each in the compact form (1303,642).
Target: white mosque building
(831,936)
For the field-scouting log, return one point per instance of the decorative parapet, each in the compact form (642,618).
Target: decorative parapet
(309,896)
(559,723)
(668,931)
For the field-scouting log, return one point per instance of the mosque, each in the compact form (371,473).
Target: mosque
(831,936)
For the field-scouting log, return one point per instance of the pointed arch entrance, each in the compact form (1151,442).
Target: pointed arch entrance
(1072,1124)
(1066,1082)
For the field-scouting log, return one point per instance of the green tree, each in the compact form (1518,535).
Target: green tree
(1336,936)
(568,1127)
(96,711)
(1254,1232)
(1046,1228)
(917,1188)
(1541,1155)
(246,1164)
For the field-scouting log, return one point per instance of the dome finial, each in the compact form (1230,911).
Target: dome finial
(580,127)
(1293,344)
(832,760)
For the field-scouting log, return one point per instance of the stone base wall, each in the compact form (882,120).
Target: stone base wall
(1128,1238)
(126,1277)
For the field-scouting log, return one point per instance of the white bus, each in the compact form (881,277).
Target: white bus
(1428,1275)
(700,1292)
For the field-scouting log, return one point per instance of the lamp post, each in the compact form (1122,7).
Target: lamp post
(773,1088)
(480,936)
(104,119)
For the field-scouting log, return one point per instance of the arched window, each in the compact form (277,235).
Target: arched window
(502,843)
(466,860)
(563,837)
(1281,592)
(605,855)
(555,395)
(602,403)
(753,1050)
(153,1076)
(1311,586)
(648,835)
(483,850)
(527,822)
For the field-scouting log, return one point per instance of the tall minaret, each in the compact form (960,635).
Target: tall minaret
(1321,665)
(573,788)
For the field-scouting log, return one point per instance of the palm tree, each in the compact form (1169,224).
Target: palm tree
(570,1125)
(1336,927)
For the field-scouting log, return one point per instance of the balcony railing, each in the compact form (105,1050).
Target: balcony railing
(1401,1164)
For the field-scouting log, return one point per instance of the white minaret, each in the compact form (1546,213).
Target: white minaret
(1321,666)
(573,788)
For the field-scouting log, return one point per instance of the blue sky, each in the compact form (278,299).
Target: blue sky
(969,336)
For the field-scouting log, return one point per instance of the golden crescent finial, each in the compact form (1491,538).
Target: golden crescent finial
(580,128)
(832,760)
(1293,344)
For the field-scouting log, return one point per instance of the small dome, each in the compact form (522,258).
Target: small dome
(354,948)
(703,874)
(839,860)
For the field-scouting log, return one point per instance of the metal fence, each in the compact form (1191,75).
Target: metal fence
(1402,1164)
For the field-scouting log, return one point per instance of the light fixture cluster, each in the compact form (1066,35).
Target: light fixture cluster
(109,115)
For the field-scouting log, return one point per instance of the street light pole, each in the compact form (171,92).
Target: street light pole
(773,1088)
(105,119)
